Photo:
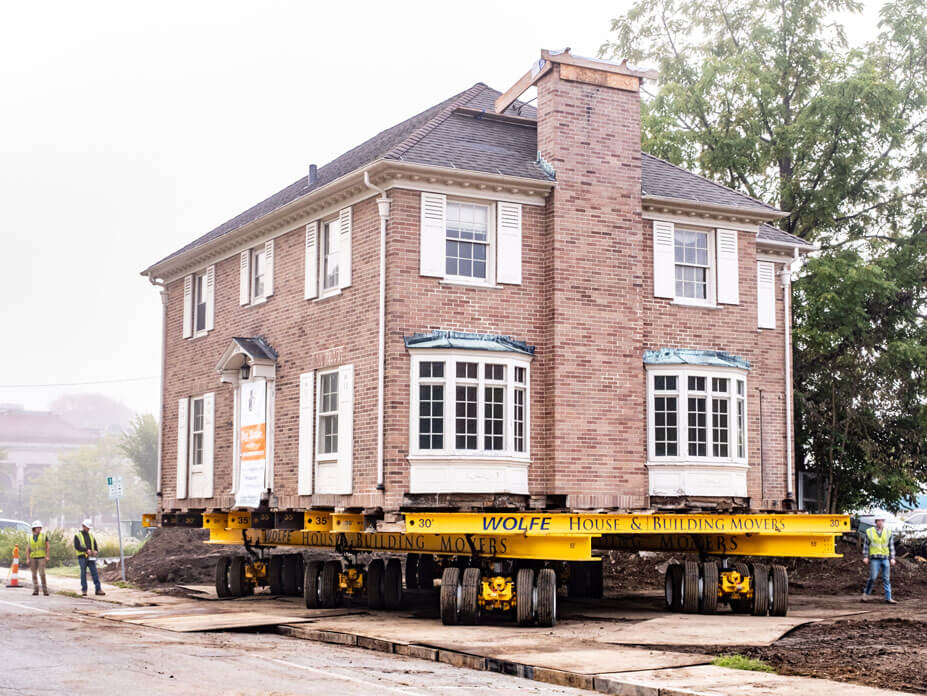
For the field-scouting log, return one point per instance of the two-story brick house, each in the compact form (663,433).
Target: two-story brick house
(482,306)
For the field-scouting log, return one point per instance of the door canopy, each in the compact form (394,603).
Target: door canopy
(247,358)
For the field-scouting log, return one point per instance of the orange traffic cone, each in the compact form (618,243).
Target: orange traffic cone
(14,569)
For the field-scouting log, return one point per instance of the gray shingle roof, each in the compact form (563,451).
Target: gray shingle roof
(452,134)
(770,233)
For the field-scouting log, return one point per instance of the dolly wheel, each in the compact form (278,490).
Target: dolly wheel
(778,591)
(547,597)
(672,587)
(329,591)
(741,606)
(411,571)
(311,579)
(222,577)
(375,571)
(470,597)
(427,572)
(292,574)
(275,574)
(450,590)
(708,595)
(238,583)
(760,590)
(392,584)
(524,596)
(690,587)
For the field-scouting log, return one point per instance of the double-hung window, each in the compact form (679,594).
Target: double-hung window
(200,299)
(329,256)
(697,414)
(695,265)
(469,404)
(692,265)
(197,431)
(328,415)
(258,272)
(467,241)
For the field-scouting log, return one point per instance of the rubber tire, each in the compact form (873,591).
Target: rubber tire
(426,572)
(672,587)
(470,597)
(375,571)
(741,606)
(275,574)
(392,585)
(708,601)
(238,585)
(412,571)
(292,574)
(760,590)
(311,580)
(450,579)
(547,597)
(690,587)
(779,597)
(222,577)
(524,596)
(579,584)
(329,592)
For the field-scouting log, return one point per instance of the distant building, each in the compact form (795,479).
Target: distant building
(31,441)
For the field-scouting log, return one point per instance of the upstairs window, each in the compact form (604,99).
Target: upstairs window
(258,270)
(329,258)
(328,415)
(692,266)
(467,245)
(256,274)
(199,303)
(200,300)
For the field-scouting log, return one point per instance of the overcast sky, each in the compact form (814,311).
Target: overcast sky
(128,129)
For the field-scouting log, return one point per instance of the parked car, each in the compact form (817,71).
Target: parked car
(18,525)
(866,518)
(915,524)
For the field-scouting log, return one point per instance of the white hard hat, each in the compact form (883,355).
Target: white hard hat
(36,523)
(88,523)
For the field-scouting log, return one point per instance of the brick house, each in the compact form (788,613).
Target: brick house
(488,305)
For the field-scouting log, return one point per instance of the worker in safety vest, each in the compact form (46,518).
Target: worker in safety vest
(879,555)
(87,549)
(37,553)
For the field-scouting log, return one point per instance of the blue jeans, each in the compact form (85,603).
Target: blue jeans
(84,564)
(875,565)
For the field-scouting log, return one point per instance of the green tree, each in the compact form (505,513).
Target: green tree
(140,444)
(768,97)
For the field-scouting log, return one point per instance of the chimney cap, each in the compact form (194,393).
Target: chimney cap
(313,174)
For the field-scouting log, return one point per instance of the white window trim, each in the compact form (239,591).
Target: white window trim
(191,432)
(336,290)
(682,374)
(326,457)
(256,299)
(491,247)
(711,290)
(450,453)
(196,277)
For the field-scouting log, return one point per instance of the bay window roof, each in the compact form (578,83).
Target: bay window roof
(688,356)
(460,340)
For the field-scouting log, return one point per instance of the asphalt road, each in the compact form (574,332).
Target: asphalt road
(50,649)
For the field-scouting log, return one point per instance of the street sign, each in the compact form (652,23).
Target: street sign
(115,487)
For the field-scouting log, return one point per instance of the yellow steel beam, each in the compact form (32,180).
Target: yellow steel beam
(149,520)
(316,521)
(564,548)
(559,524)
(347,522)
(802,546)
(239,520)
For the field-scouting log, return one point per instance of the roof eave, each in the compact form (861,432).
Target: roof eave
(686,204)
(804,246)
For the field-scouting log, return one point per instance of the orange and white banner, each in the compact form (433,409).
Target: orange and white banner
(252,443)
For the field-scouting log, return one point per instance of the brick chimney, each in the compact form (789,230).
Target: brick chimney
(588,126)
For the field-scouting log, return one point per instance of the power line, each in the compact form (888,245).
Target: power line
(79,384)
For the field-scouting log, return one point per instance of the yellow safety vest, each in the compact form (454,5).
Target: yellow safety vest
(79,537)
(878,543)
(37,545)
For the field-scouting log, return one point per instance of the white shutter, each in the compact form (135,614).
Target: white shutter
(312,261)
(345,428)
(433,230)
(236,438)
(188,306)
(268,268)
(344,248)
(210,297)
(306,443)
(183,406)
(508,240)
(766,294)
(664,263)
(244,274)
(728,267)
(209,444)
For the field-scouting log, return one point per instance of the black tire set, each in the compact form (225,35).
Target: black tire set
(322,587)
(421,571)
(230,577)
(691,587)
(535,596)
(384,584)
(285,574)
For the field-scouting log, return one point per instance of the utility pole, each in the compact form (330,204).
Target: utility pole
(115,493)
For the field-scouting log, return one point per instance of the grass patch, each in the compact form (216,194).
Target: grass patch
(741,662)
(68,593)
(123,584)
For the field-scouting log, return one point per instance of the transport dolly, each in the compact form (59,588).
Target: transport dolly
(511,563)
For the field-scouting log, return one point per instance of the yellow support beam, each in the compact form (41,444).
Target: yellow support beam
(560,524)
(799,546)
(566,548)
(239,520)
(316,521)
(347,522)
(215,520)
(149,520)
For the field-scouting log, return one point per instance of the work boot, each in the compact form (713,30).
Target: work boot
(865,597)
(45,591)
(83,593)
(100,592)
(35,591)
(891,601)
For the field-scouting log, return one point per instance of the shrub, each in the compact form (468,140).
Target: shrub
(61,542)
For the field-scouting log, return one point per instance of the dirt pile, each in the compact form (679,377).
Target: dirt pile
(172,556)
